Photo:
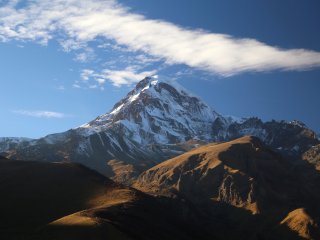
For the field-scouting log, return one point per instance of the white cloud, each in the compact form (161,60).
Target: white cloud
(116,77)
(145,59)
(86,74)
(61,88)
(101,80)
(40,114)
(76,85)
(85,56)
(84,21)
(126,76)
(114,47)
(71,44)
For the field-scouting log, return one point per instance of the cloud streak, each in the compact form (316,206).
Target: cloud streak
(84,21)
(118,78)
(40,114)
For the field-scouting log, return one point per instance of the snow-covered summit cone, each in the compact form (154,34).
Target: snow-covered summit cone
(158,111)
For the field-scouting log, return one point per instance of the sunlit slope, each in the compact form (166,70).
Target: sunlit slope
(36,193)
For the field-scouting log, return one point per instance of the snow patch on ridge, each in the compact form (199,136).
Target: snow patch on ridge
(115,111)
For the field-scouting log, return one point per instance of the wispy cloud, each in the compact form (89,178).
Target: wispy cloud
(40,114)
(86,55)
(76,85)
(116,77)
(84,21)
(86,74)
(71,44)
(61,88)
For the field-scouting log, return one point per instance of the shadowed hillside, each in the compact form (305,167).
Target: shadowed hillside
(37,193)
(69,201)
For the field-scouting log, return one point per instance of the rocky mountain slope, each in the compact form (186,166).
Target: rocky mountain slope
(302,223)
(7,143)
(157,120)
(290,138)
(242,173)
(243,181)
(313,156)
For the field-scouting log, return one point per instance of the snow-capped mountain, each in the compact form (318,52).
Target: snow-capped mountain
(290,138)
(7,143)
(157,112)
(157,120)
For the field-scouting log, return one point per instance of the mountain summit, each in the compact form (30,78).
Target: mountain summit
(158,112)
(157,120)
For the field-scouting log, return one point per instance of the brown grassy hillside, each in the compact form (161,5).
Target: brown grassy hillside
(241,183)
(35,193)
(69,201)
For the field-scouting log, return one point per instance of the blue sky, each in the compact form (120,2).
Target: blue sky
(63,63)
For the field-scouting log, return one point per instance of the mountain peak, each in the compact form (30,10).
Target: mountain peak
(147,81)
(157,81)
(159,110)
(152,90)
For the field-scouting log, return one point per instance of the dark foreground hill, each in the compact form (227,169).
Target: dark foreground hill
(69,201)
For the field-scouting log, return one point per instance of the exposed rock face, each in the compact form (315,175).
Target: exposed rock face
(7,143)
(289,138)
(156,121)
(313,156)
(245,184)
(242,173)
(302,223)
